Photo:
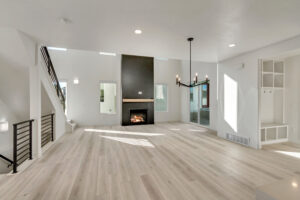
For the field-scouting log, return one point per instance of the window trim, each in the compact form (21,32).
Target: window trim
(167,86)
(117,97)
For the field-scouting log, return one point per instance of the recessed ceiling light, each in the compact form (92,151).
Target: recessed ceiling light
(107,54)
(138,31)
(231,45)
(56,48)
(295,184)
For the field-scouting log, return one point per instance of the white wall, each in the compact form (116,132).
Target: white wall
(247,78)
(14,88)
(164,73)
(46,105)
(202,69)
(84,99)
(292,110)
(247,116)
(6,138)
(91,69)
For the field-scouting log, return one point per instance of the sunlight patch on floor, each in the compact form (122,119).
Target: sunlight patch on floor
(288,153)
(122,132)
(202,130)
(174,129)
(131,141)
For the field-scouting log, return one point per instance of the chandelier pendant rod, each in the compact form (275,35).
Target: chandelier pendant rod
(196,82)
(190,40)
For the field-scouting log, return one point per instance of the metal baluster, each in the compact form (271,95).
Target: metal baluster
(15,149)
(52,127)
(30,139)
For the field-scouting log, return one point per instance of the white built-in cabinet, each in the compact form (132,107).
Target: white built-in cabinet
(273,128)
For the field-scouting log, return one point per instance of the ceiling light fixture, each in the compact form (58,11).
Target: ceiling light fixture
(138,31)
(295,184)
(195,83)
(107,54)
(231,45)
(4,126)
(76,81)
(56,48)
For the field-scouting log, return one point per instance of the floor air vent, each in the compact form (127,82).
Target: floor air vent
(238,139)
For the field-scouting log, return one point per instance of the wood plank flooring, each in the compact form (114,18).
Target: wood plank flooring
(168,161)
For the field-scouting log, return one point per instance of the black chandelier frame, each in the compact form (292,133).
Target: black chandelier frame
(195,83)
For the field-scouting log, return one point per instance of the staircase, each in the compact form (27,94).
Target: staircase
(23,131)
(53,76)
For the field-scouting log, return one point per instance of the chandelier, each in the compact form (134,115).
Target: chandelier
(195,81)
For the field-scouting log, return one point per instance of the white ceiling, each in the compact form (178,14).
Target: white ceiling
(108,25)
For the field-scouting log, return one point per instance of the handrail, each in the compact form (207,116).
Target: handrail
(53,75)
(7,159)
(21,139)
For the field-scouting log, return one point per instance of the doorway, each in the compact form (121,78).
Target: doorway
(199,105)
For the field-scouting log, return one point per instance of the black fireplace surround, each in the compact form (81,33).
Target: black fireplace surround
(137,83)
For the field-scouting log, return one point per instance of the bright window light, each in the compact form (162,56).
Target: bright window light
(108,98)
(56,48)
(161,98)
(76,81)
(107,53)
(230,101)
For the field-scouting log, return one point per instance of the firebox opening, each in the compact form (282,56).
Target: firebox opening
(138,116)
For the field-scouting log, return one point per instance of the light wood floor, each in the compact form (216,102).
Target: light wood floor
(170,161)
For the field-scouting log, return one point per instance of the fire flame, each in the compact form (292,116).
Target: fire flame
(137,119)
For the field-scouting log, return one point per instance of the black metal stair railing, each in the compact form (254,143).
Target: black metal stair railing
(47,129)
(22,143)
(7,160)
(53,76)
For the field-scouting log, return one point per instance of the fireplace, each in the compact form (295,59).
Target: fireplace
(138,116)
(137,76)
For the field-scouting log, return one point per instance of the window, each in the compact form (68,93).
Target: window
(161,98)
(108,98)
(194,104)
(230,101)
(204,95)
(199,105)
(63,86)
(204,112)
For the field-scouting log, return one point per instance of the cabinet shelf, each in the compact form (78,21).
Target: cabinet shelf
(272,101)
(272,74)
